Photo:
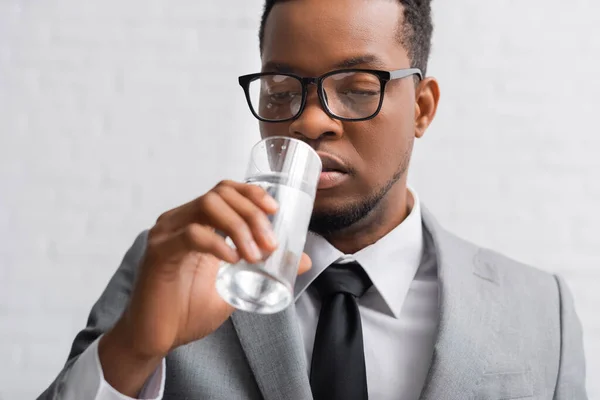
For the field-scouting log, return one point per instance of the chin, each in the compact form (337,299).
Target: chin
(326,206)
(334,204)
(330,200)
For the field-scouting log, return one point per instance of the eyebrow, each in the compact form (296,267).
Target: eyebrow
(366,59)
(278,67)
(352,62)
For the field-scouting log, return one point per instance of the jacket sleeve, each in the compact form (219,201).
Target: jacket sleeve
(571,374)
(104,314)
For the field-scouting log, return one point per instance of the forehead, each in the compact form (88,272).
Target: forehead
(313,36)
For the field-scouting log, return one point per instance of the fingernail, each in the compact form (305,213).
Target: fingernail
(271,202)
(254,250)
(270,236)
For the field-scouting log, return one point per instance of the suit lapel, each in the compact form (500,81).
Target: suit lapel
(275,352)
(468,285)
(469,289)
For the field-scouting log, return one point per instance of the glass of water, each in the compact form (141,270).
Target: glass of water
(288,169)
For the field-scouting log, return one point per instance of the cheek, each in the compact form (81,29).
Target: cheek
(382,143)
(396,126)
(399,113)
(398,107)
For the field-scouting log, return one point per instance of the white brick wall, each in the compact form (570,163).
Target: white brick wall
(113,111)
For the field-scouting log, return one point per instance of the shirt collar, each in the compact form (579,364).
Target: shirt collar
(391,262)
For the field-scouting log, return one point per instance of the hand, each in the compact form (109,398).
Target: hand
(174,300)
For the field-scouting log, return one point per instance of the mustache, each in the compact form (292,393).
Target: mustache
(332,161)
(330,158)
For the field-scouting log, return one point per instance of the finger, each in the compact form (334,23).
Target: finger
(197,238)
(220,215)
(258,195)
(305,264)
(179,217)
(254,216)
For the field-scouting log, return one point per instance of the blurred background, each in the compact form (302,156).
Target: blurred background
(112,112)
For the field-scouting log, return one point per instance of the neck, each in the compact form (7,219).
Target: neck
(387,215)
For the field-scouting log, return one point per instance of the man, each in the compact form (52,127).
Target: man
(422,314)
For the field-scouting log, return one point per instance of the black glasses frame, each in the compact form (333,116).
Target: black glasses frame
(384,78)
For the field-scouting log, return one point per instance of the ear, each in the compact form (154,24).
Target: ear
(427,99)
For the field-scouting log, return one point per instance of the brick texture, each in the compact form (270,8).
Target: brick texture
(112,112)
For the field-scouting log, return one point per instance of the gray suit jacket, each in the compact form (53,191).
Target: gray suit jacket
(506,331)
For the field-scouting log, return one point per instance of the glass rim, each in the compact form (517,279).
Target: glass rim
(257,146)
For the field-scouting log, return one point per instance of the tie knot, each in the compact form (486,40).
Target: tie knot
(343,278)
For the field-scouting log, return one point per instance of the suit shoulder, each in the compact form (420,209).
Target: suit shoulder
(494,266)
(515,273)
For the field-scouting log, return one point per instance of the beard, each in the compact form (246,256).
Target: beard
(325,223)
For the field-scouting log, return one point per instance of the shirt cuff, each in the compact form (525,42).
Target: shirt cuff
(85,380)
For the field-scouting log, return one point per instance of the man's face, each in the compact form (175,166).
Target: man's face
(312,37)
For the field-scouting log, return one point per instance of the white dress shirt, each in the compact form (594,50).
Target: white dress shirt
(399,316)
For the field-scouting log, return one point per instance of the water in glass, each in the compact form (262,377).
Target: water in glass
(264,287)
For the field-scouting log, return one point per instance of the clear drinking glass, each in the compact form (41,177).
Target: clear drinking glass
(288,169)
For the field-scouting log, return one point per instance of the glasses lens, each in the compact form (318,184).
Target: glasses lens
(276,97)
(352,95)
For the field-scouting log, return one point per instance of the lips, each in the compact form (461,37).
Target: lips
(332,164)
(334,172)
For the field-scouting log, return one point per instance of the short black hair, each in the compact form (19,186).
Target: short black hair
(414,33)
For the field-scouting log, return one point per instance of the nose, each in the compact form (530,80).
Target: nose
(314,123)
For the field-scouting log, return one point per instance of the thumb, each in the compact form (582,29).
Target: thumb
(305,264)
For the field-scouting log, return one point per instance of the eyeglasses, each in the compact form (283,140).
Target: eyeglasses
(348,95)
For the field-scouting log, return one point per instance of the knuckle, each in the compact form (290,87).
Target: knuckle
(190,233)
(223,190)
(235,226)
(209,199)
(159,228)
(154,232)
(256,216)
(224,184)
(163,217)
(238,230)
(256,191)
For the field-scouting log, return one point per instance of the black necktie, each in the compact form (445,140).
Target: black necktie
(338,359)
